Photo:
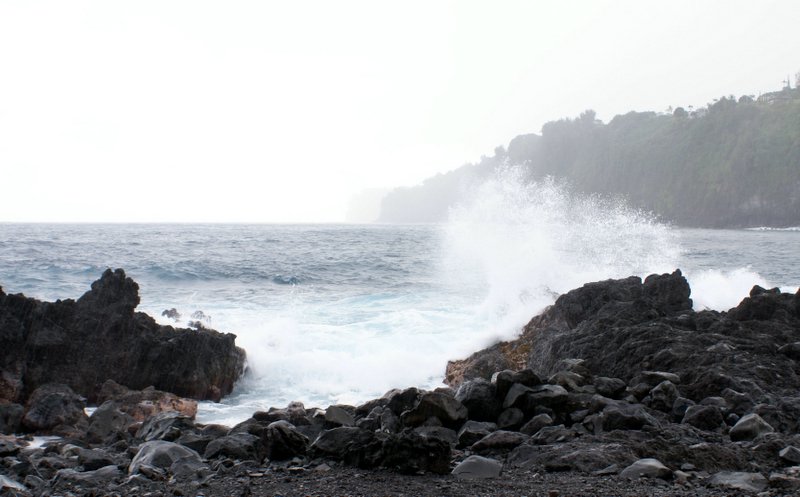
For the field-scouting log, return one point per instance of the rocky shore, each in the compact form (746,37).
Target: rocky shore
(619,388)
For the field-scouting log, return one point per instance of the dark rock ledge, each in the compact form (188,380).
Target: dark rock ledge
(100,337)
(619,388)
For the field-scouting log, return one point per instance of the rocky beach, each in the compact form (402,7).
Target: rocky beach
(618,388)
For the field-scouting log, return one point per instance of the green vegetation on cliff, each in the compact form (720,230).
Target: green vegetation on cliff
(732,164)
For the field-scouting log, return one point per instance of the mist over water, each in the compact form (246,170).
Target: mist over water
(342,313)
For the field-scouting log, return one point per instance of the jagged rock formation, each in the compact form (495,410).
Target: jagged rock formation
(100,337)
(620,328)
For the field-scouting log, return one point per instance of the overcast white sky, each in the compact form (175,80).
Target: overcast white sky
(280,112)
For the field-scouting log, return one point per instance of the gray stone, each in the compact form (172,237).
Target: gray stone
(97,478)
(242,446)
(11,418)
(749,482)
(750,427)
(515,395)
(438,433)
(612,388)
(680,406)
(435,404)
(166,425)
(92,459)
(622,416)
(653,378)
(399,401)
(663,396)
(553,434)
(480,399)
(162,456)
(790,454)
(568,380)
(337,416)
(346,443)
(478,467)
(704,417)
(282,441)
(499,440)
(784,482)
(549,396)
(510,419)
(472,431)
(390,423)
(54,405)
(646,468)
(7,483)
(108,424)
(536,423)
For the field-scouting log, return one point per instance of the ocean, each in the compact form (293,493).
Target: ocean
(342,313)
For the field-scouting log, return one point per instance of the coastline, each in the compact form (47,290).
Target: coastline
(572,424)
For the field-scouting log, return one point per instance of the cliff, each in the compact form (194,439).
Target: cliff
(732,164)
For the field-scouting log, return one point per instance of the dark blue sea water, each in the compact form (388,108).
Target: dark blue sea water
(342,313)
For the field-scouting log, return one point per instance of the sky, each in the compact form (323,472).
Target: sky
(239,111)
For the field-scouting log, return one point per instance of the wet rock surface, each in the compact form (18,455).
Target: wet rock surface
(571,424)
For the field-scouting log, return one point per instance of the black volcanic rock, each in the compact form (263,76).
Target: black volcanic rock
(626,328)
(100,337)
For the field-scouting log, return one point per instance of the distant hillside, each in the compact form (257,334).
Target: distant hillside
(735,163)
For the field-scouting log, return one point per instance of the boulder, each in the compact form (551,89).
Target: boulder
(569,380)
(472,431)
(646,468)
(704,417)
(409,452)
(663,396)
(733,480)
(282,441)
(510,419)
(679,408)
(354,446)
(166,425)
(107,424)
(55,408)
(435,404)
(553,434)
(503,380)
(479,396)
(750,427)
(478,467)
(241,446)
(92,459)
(784,482)
(790,455)
(536,423)
(438,433)
(11,418)
(9,485)
(515,397)
(499,441)
(295,413)
(141,404)
(400,401)
(100,336)
(163,457)
(622,416)
(199,439)
(338,416)
(98,478)
(612,388)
